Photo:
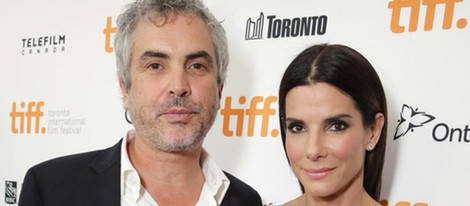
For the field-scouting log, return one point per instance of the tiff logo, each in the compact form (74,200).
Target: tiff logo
(254,29)
(19,115)
(10,192)
(252,112)
(108,31)
(402,203)
(415,5)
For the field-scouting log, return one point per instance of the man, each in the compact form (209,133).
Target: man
(172,59)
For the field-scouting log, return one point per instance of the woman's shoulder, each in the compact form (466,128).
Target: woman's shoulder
(294,202)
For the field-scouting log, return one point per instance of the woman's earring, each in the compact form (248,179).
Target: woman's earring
(370,147)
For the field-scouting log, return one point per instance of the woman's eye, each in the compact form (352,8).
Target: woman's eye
(338,126)
(295,128)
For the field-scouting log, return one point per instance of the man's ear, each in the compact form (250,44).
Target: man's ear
(124,93)
(221,87)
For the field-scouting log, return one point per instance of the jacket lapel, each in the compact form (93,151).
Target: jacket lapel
(107,167)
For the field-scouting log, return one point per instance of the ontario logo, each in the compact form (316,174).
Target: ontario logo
(284,27)
(411,119)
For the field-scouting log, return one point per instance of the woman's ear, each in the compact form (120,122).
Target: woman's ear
(376,131)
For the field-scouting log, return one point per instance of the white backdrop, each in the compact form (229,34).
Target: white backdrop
(60,92)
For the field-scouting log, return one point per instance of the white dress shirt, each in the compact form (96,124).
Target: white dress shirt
(133,193)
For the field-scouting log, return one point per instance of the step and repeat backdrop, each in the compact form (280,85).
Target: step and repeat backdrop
(60,93)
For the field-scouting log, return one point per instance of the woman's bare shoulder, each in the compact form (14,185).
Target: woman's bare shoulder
(294,202)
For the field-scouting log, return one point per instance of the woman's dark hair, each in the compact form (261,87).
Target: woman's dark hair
(350,72)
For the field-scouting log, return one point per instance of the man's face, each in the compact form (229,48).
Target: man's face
(174,95)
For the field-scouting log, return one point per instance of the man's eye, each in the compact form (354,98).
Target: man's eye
(155,66)
(197,66)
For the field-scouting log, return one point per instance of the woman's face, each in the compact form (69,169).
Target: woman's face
(326,139)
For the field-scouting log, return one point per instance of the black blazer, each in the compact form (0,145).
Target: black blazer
(93,178)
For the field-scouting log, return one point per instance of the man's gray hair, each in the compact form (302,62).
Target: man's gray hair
(153,9)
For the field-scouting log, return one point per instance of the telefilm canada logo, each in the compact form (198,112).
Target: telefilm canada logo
(11,192)
(274,27)
(42,45)
(412,119)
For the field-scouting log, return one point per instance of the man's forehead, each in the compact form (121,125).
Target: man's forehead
(161,19)
(148,40)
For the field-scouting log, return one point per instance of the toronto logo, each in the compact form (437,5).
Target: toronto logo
(410,119)
(254,28)
(281,27)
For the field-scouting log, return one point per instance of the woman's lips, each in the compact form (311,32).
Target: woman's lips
(318,173)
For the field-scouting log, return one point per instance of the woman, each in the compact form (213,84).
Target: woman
(333,115)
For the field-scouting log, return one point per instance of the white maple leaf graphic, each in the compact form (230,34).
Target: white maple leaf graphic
(410,119)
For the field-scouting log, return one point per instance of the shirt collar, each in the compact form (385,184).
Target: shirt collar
(130,180)
(216,181)
(215,186)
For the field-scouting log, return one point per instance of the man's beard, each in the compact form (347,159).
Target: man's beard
(146,120)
